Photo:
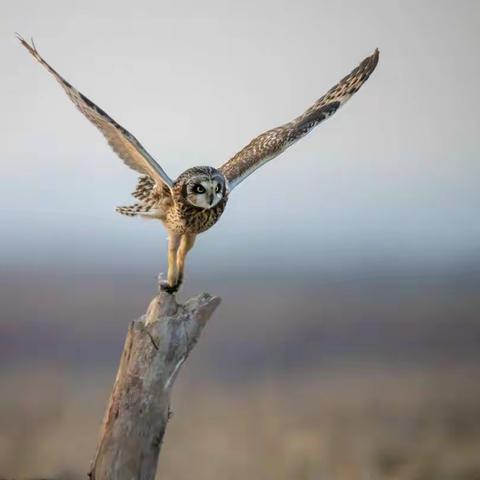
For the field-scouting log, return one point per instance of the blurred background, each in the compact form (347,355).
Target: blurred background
(347,343)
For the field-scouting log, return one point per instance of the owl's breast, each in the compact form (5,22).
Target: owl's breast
(186,218)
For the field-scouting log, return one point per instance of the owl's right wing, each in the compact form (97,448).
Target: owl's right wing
(124,144)
(273,142)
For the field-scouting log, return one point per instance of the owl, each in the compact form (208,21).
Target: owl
(196,200)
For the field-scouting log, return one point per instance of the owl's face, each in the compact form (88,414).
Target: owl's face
(205,190)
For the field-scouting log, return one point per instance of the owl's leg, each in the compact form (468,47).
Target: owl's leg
(172,276)
(185,245)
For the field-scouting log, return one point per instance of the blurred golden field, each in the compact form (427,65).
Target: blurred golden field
(357,421)
(369,378)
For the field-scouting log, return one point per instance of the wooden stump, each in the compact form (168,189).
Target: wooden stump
(156,346)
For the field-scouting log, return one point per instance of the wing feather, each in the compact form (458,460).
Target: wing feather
(273,142)
(123,143)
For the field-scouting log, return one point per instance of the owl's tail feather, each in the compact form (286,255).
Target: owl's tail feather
(147,205)
(134,210)
(144,188)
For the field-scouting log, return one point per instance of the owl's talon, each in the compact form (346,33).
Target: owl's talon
(171,289)
(165,287)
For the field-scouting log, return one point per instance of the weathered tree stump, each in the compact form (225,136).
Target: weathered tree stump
(156,346)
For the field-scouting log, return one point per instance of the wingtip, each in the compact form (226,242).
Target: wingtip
(31,47)
(373,58)
(23,41)
(20,38)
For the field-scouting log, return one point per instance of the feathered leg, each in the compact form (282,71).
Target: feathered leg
(185,246)
(172,275)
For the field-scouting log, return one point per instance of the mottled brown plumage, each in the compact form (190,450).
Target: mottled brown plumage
(171,205)
(271,143)
(197,198)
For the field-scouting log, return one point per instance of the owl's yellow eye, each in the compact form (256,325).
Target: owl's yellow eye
(218,188)
(198,189)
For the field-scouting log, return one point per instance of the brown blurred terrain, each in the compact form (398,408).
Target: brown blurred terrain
(353,377)
(359,421)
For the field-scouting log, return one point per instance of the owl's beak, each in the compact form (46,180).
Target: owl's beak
(210,199)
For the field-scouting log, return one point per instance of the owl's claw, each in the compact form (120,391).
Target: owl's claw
(171,289)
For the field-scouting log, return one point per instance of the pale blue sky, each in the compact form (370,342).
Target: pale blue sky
(391,177)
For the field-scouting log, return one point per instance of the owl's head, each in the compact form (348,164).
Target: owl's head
(202,187)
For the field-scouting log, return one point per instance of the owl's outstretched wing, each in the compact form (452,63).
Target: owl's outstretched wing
(125,145)
(273,142)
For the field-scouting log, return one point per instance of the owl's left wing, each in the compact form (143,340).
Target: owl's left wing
(273,142)
(123,143)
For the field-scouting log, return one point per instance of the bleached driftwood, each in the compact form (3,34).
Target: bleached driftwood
(156,346)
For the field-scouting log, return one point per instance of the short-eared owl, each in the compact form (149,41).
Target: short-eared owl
(195,201)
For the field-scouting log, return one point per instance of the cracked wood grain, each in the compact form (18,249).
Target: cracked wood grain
(135,421)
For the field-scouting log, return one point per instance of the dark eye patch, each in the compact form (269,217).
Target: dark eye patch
(218,188)
(198,189)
